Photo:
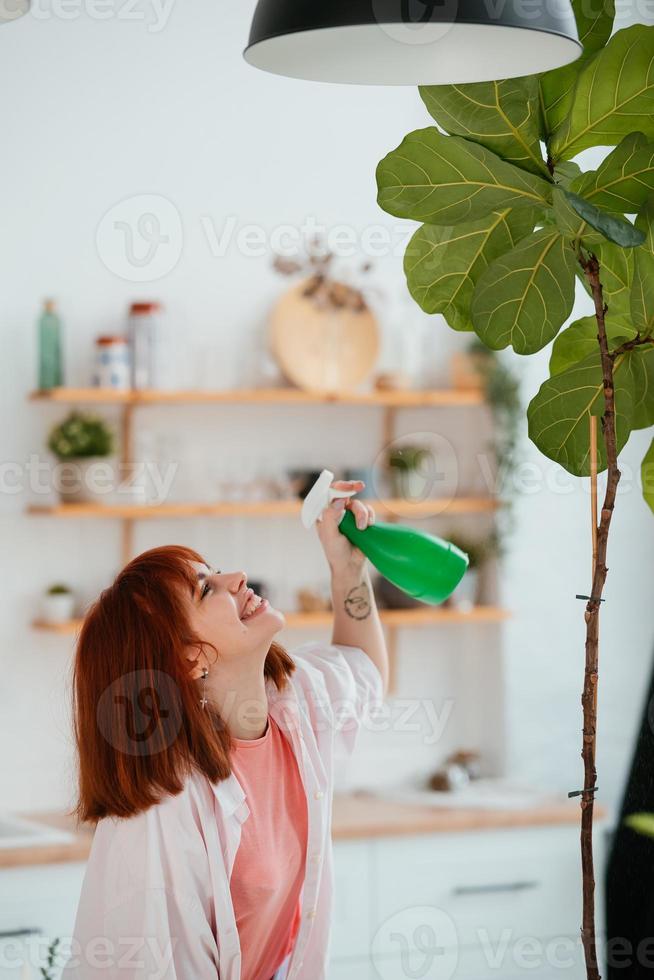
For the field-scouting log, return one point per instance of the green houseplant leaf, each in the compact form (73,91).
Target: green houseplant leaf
(624,179)
(613,96)
(594,25)
(570,223)
(558,415)
(442,263)
(647,476)
(642,367)
(616,276)
(446,179)
(525,296)
(502,116)
(616,229)
(643,823)
(642,288)
(579,340)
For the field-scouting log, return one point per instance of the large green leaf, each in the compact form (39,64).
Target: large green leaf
(624,179)
(616,276)
(525,296)
(558,415)
(579,340)
(647,476)
(443,263)
(444,180)
(556,90)
(569,222)
(643,823)
(615,228)
(614,95)
(642,368)
(642,289)
(502,116)
(594,19)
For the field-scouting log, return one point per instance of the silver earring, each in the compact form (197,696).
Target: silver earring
(203,699)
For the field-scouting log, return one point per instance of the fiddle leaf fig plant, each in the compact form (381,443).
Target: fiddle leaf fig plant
(510,222)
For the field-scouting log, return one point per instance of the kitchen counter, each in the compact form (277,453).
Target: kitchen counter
(354,815)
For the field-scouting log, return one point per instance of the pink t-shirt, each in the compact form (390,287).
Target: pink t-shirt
(269,867)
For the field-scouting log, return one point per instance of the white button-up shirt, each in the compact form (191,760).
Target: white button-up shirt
(156,902)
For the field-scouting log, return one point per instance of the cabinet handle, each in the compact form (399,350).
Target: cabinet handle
(508,886)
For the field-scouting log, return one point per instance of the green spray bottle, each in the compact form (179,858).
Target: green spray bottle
(420,564)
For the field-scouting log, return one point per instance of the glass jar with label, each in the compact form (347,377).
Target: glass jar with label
(144,340)
(112,363)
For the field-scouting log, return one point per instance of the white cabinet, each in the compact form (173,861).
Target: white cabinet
(471,905)
(37,903)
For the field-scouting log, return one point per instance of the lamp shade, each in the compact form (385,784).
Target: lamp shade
(411,42)
(13,9)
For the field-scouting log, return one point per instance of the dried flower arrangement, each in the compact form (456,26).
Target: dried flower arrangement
(328,291)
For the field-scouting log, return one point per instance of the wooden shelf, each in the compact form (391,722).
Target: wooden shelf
(409,398)
(422,616)
(260,508)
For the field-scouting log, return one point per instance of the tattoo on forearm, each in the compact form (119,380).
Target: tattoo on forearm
(357,601)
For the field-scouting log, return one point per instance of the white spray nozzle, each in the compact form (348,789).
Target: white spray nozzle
(319,497)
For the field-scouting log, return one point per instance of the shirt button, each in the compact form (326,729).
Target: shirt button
(315,857)
(312,913)
(318,794)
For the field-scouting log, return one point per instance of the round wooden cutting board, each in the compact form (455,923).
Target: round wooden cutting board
(322,350)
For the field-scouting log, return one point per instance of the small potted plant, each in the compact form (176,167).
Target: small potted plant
(58,604)
(406,473)
(467,594)
(79,442)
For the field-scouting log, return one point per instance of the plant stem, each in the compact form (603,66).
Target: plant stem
(589,696)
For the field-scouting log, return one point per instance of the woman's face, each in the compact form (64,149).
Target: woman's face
(224,611)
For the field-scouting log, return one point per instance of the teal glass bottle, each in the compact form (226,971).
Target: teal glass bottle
(420,564)
(50,357)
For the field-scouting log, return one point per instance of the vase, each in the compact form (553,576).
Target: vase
(79,481)
(58,607)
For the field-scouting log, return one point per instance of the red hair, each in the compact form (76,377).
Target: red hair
(138,725)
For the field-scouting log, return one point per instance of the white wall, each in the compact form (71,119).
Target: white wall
(100,111)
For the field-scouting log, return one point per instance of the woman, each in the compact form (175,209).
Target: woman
(206,757)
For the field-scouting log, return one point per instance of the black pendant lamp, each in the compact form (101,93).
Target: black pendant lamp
(411,42)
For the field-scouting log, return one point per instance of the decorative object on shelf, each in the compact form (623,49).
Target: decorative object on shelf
(322,331)
(57,604)
(143,331)
(112,368)
(466,371)
(467,594)
(312,600)
(391,381)
(501,388)
(301,481)
(79,442)
(420,564)
(406,470)
(259,368)
(390,597)
(459,769)
(393,43)
(51,374)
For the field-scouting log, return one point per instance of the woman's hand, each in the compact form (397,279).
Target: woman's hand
(340,552)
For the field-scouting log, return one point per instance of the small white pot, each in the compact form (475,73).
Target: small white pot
(57,608)
(77,479)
